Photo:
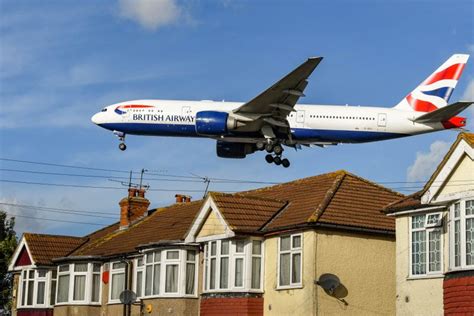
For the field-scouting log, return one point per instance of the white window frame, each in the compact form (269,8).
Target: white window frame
(112,272)
(292,251)
(233,255)
(427,228)
(88,284)
(463,242)
(36,279)
(181,262)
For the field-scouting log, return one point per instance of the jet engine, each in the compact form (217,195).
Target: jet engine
(214,123)
(234,150)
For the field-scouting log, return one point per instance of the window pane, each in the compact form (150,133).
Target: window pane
(470,207)
(190,278)
(156,279)
(80,267)
(118,285)
(158,256)
(457,209)
(296,264)
(118,265)
(23,292)
(172,254)
(296,241)
(63,288)
(212,275)
(95,287)
(418,257)
(149,258)
(434,244)
(191,255)
(139,262)
(225,247)
(285,243)
(41,273)
(64,268)
(148,279)
(457,243)
(433,219)
(285,269)
(256,267)
(256,247)
(171,278)
(418,221)
(469,241)
(239,246)
(96,267)
(52,293)
(213,248)
(138,290)
(239,272)
(79,287)
(224,279)
(54,274)
(40,293)
(31,285)
(31,274)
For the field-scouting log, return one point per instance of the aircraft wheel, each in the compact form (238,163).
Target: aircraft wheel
(260,145)
(285,163)
(277,161)
(269,148)
(122,146)
(269,158)
(278,150)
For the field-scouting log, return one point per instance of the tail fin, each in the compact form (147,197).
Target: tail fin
(434,92)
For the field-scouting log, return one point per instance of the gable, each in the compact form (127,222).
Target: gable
(23,258)
(460,179)
(212,225)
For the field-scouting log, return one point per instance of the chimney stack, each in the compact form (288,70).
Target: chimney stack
(181,198)
(133,207)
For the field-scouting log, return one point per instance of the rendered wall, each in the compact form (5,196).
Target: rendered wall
(212,226)
(365,265)
(422,296)
(295,301)
(464,171)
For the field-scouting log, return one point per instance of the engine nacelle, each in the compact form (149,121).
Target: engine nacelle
(234,150)
(214,123)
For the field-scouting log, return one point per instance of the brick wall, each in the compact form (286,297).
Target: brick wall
(238,306)
(458,293)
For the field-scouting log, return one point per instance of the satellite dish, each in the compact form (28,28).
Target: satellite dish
(329,282)
(128,297)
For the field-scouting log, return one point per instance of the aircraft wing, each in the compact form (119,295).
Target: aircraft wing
(444,113)
(274,104)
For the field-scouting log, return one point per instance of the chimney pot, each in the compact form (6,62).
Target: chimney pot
(132,207)
(132,192)
(141,193)
(179,198)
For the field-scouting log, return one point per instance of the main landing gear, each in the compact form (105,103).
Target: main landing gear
(121,136)
(277,150)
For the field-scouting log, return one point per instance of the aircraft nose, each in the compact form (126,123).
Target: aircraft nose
(95,119)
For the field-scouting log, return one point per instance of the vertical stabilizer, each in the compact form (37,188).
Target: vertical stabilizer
(434,92)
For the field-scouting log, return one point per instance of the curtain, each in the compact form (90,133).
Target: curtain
(52,293)
(171,285)
(156,279)
(95,287)
(239,266)
(118,285)
(296,273)
(285,269)
(40,293)
(23,294)
(224,277)
(212,274)
(148,279)
(190,278)
(139,283)
(256,266)
(79,287)
(31,285)
(63,288)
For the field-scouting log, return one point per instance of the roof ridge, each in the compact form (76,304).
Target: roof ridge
(327,198)
(101,229)
(53,235)
(375,184)
(238,194)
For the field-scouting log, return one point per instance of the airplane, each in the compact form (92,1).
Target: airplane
(273,119)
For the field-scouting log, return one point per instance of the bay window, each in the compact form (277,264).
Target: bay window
(117,280)
(77,283)
(462,235)
(233,265)
(426,244)
(35,288)
(290,263)
(166,273)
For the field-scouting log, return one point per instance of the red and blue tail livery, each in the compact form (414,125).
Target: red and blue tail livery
(274,119)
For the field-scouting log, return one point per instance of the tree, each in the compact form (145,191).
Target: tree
(8,244)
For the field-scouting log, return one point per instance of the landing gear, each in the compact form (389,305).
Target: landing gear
(121,136)
(260,145)
(122,146)
(278,150)
(269,158)
(276,159)
(285,163)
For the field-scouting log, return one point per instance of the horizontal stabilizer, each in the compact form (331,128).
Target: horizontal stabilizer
(444,113)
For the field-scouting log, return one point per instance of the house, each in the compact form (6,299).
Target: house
(435,239)
(319,245)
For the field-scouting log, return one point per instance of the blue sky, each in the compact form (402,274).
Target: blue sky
(61,61)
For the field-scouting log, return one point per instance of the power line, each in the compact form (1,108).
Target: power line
(59,210)
(55,220)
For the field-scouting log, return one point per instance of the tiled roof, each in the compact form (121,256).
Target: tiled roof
(168,223)
(43,248)
(245,213)
(337,198)
(410,202)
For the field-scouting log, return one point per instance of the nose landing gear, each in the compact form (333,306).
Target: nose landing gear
(121,136)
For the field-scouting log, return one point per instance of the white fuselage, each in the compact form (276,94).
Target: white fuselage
(309,123)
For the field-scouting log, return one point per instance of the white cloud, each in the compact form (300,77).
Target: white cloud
(426,162)
(151,14)
(468,94)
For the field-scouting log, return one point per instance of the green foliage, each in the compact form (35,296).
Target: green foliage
(8,243)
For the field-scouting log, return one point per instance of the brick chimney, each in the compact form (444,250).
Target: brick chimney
(133,207)
(181,198)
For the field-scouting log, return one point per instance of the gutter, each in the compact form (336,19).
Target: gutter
(417,210)
(331,226)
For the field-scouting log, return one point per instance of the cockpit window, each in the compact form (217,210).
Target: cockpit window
(104,110)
